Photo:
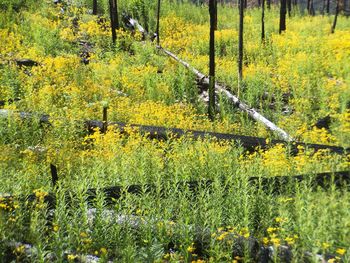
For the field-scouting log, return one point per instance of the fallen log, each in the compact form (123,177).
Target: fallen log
(8,101)
(275,185)
(157,132)
(234,100)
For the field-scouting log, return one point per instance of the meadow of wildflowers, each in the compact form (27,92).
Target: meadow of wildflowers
(295,79)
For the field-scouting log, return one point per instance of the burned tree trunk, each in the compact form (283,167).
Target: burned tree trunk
(335,17)
(283,12)
(289,7)
(113,10)
(327,7)
(94,7)
(240,43)
(213,16)
(158,17)
(263,20)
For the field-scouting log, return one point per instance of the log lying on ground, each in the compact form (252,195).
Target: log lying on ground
(242,247)
(156,132)
(276,185)
(8,101)
(234,100)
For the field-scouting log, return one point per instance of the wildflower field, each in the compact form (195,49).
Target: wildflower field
(196,199)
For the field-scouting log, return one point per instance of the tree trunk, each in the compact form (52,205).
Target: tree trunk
(328,4)
(269,4)
(335,17)
(94,7)
(283,12)
(289,6)
(158,17)
(112,11)
(263,20)
(212,12)
(240,43)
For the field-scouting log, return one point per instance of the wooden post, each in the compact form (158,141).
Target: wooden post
(94,7)
(104,120)
(240,44)
(54,176)
(212,12)
(263,21)
(283,12)
(158,17)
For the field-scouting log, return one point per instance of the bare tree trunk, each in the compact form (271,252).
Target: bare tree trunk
(283,12)
(269,4)
(263,20)
(289,7)
(328,4)
(213,16)
(240,44)
(112,11)
(158,17)
(94,7)
(335,17)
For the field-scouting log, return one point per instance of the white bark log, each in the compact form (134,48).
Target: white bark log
(234,100)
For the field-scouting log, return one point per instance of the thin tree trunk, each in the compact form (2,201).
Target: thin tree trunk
(312,9)
(283,12)
(145,17)
(212,12)
(158,17)
(289,7)
(335,17)
(263,20)
(269,4)
(328,4)
(94,7)
(240,45)
(112,10)
(116,14)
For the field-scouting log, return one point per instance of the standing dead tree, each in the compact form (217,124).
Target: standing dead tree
(283,12)
(335,17)
(158,17)
(94,7)
(213,26)
(113,9)
(240,44)
(263,21)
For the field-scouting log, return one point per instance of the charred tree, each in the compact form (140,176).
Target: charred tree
(327,6)
(335,17)
(263,20)
(283,12)
(240,43)
(213,16)
(289,7)
(113,10)
(158,17)
(94,7)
